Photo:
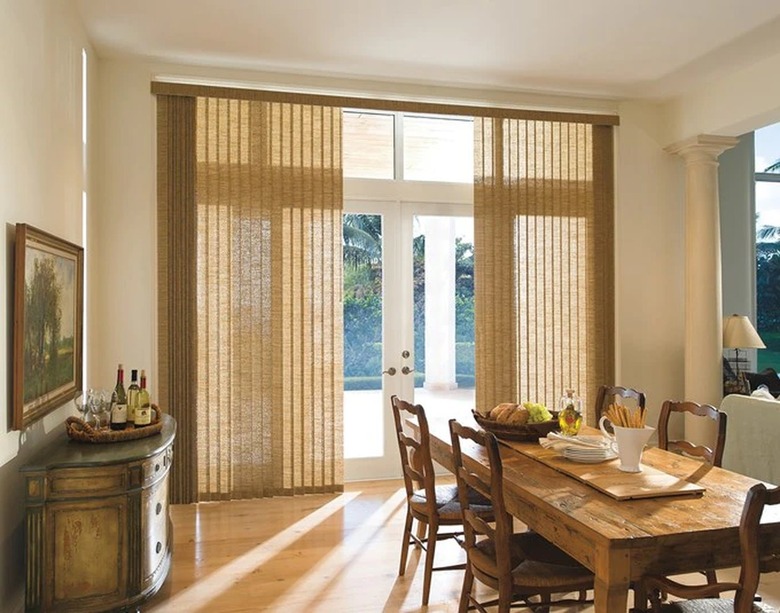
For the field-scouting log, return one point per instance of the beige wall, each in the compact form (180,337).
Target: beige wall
(42,180)
(649,259)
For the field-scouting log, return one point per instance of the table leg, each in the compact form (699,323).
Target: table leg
(610,594)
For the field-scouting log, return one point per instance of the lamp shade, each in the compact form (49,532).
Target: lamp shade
(739,333)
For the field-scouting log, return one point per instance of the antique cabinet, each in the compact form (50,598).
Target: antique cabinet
(98,533)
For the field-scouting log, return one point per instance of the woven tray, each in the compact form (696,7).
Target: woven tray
(82,432)
(516,432)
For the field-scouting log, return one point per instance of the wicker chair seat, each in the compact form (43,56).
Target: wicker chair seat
(448,506)
(711,605)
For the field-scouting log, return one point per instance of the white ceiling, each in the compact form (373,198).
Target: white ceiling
(610,48)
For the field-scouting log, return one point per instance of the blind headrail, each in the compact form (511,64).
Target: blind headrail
(355,102)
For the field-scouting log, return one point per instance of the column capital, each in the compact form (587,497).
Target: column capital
(704,147)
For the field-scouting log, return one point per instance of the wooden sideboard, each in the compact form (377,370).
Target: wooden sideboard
(98,533)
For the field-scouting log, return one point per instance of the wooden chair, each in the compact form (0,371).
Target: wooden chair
(430,504)
(714,457)
(754,562)
(518,565)
(608,394)
(711,456)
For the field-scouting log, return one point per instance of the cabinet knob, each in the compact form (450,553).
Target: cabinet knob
(156,468)
(158,509)
(158,549)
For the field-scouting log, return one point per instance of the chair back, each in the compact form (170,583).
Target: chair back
(713,456)
(415,451)
(607,395)
(754,561)
(486,568)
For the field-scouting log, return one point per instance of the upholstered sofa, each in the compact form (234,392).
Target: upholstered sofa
(752,437)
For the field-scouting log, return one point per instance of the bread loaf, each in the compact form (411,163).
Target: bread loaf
(519,416)
(502,411)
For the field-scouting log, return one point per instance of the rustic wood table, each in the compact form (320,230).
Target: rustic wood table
(621,540)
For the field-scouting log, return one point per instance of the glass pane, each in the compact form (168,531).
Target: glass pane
(768,271)
(443,257)
(363,419)
(767,145)
(368,145)
(438,149)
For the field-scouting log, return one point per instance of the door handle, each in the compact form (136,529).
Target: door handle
(390,371)
(406,370)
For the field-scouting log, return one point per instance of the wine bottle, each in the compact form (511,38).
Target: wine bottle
(119,402)
(132,396)
(143,414)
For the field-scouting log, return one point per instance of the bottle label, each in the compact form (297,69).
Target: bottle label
(119,414)
(143,416)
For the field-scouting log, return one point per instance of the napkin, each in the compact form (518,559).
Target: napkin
(559,442)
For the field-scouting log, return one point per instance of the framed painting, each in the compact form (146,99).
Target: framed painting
(48,323)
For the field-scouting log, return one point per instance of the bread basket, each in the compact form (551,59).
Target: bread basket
(517,432)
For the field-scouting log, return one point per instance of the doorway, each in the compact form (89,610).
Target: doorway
(408,321)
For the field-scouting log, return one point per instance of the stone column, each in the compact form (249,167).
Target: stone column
(703,294)
(440,303)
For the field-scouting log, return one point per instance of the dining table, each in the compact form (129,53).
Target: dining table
(620,539)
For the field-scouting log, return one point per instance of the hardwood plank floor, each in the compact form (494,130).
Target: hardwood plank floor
(322,553)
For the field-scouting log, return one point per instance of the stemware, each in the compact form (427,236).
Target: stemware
(99,408)
(81,402)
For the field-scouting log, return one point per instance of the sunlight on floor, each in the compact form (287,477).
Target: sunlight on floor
(198,596)
(313,587)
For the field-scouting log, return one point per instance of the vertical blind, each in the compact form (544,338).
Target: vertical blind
(269,380)
(250,286)
(543,219)
(266,316)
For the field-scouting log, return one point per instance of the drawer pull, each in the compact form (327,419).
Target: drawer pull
(159,547)
(158,509)
(156,468)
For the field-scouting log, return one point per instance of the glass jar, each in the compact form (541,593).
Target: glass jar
(570,413)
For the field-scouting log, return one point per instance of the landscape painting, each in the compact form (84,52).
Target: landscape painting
(48,323)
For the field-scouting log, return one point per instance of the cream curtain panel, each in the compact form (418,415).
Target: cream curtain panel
(267,415)
(543,254)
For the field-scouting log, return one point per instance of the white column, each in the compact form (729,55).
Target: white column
(703,294)
(440,303)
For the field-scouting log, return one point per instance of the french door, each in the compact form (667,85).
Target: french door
(408,321)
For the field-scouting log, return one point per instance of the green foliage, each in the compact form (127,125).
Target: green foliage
(48,359)
(362,240)
(362,335)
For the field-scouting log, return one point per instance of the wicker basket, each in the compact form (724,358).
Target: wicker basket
(79,430)
(517,432)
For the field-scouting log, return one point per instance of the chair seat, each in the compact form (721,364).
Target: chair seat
(448,506)
(711,605)
(536,563)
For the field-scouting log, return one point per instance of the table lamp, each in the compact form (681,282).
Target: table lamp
(739,333)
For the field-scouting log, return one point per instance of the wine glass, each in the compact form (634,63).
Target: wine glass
(81,402)
(98,407)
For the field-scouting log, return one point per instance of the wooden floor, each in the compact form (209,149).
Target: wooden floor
(329,553)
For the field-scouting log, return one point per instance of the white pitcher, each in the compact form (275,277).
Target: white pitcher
(628,444)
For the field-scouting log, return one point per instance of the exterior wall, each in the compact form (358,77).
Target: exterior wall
(41,171)
(738,231)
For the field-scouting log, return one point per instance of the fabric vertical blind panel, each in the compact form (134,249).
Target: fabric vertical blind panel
(266,372)
(543,253)
(176,283)
(269,379)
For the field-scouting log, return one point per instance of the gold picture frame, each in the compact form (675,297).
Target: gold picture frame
(48,323)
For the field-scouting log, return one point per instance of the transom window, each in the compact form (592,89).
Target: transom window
(411,147)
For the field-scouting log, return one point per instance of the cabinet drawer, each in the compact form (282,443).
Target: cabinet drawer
(86,482)
(154,525)
(156,467)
